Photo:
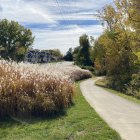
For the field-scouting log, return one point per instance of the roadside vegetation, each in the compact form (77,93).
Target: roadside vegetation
(115,50)
(40,90)
(36,90)
(115,53)
(102,83)
(80,122)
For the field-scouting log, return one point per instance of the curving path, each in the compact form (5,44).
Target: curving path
(121,114)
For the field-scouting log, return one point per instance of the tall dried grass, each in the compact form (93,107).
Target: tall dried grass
(32,89)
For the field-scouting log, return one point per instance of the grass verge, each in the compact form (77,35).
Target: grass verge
(80,123)
(102,83)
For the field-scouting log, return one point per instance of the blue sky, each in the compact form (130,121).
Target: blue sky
(55,23)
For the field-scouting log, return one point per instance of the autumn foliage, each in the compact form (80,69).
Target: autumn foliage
(32,89)
(114,51)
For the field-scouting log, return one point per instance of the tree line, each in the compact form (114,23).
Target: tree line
(16,40)
(114,53)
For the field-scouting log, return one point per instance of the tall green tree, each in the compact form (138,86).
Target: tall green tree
(83,55)
(69,55)
(14,40)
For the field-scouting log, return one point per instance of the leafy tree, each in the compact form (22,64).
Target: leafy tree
(83,55)
(131,10)
(14,40)
(133,88)
(119,60)
(108,17)
(98,57)
(75,53)
(56,53)
(115,48)
(69,55)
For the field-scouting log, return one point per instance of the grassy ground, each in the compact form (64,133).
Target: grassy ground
(102,83)
(80,123)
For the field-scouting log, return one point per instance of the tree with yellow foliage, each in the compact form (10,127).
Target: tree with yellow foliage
(119,58)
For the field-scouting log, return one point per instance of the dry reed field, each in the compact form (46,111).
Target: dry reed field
(34,89)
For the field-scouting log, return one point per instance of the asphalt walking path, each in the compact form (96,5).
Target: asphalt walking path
(121,114)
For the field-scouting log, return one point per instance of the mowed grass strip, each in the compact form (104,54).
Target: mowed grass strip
(80,123)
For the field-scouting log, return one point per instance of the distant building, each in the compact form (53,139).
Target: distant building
(37,56)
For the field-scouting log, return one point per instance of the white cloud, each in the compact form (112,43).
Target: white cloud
(22,11)
(49,12)
(64,39)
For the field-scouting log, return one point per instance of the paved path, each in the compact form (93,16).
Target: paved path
(121,114)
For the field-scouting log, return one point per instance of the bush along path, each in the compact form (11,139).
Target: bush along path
(121,114)
(80,122)
(37,90)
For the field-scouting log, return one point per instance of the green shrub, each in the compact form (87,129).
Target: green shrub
(133,88)
(90,68)
(118,82)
